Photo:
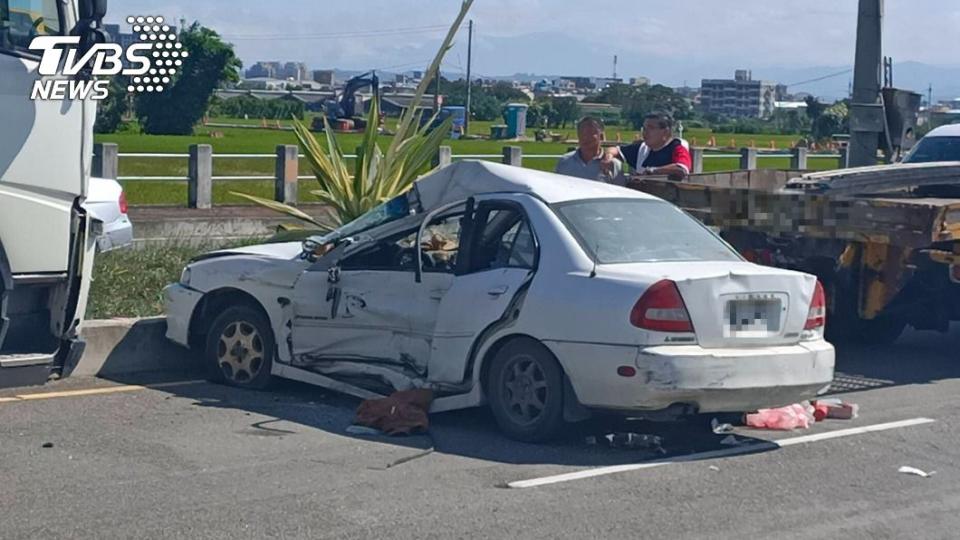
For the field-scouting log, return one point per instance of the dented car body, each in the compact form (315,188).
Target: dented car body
(544,295)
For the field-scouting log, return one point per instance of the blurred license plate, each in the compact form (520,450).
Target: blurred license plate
(752,318)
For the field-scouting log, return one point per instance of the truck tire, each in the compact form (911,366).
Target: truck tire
(525,390)
(240,348)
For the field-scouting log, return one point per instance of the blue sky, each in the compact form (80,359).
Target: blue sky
(672,41)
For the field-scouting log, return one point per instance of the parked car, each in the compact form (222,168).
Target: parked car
(107,203)
(542,295)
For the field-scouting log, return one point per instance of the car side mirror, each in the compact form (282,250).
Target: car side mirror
(93,9)
(90,26)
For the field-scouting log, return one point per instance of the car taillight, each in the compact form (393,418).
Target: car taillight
(817,316)
(123,203)
(661,309)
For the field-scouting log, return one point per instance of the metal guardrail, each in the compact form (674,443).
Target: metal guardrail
(200,159)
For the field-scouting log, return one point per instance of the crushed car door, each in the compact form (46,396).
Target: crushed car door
(375,312)
(499,257)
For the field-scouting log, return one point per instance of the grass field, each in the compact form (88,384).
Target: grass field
(265,141)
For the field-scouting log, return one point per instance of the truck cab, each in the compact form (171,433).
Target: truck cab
(46,245)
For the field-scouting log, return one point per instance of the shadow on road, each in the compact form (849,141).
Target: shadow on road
(918,358)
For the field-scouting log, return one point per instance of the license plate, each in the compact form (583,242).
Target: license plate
(752,318)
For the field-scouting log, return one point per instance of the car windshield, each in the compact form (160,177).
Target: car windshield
(935,149)
(394,209)
(637,230)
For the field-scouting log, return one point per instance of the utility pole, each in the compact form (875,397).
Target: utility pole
(930,95)
(466,118)
(614,66)
(867,119)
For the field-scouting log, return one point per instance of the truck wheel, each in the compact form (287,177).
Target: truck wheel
(525,387)
(240,348)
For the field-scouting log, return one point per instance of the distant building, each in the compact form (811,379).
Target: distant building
(741,97)
(639,81)
(264,70)
(262,83)
(325,76)
(790,105)
(294,70)
(582,83)
(125,39)
(564,85)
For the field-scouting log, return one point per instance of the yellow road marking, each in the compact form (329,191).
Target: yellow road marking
(94,391)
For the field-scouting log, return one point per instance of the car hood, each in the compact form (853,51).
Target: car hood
(283,251)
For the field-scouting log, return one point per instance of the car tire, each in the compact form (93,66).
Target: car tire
(525,391)
(240,349)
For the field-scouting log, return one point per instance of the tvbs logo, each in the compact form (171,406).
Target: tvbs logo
(148,64)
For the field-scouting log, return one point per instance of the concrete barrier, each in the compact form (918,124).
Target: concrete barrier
(128,346)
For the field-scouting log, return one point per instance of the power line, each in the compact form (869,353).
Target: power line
(837,74)
(338,35)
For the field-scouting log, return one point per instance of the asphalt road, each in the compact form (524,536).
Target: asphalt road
(204,461)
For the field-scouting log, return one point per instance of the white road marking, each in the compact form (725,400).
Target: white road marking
(713,454)
(94,391)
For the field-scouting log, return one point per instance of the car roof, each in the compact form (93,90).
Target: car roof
(463,179)
(951,130)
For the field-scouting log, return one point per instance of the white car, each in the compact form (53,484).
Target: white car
(941,144)
(107,204)
(543,295)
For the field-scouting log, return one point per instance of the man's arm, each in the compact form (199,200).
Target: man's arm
(682,163)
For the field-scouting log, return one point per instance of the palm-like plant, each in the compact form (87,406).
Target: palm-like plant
(377,176)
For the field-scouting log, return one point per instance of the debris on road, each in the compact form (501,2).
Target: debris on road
(714,468)
(916,472)
(730,440)
(720,429)
(837,409)
(629,440)
(784,418)
(402,413)
(47,445)
(362,430)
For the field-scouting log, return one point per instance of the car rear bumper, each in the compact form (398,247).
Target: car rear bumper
(179,304)
(116,234)
(707,380)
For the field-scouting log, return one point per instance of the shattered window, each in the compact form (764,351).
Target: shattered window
(441,243)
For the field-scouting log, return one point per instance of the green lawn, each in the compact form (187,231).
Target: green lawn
(265,141)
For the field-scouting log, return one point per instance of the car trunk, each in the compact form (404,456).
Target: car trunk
(736,304)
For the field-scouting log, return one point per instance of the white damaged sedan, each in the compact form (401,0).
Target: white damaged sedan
(541,295)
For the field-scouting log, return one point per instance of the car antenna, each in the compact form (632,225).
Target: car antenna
(593,271)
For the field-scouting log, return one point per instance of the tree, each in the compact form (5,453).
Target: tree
(814,108)
(566,109)
(638,101)
(110,111)
(833,120)
(210,63)
(379,176)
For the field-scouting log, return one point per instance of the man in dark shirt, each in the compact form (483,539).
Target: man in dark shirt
(659,153)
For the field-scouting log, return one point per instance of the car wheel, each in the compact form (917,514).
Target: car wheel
(240,348)
(525,389)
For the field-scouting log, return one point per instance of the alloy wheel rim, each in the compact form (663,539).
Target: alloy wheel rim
(525,389)
(240,352)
